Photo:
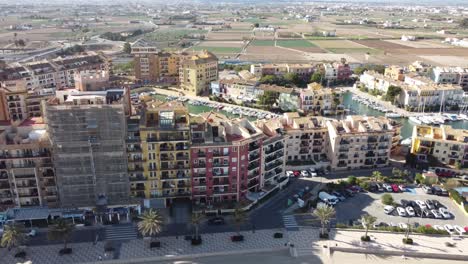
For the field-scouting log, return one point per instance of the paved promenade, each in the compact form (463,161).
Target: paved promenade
(385,104)
(305,241)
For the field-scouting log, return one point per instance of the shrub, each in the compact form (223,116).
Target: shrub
(365,185)
(456,196)
(408,241)
(365,238)
(387,199)
(352,180)
(430,230)
(340,225)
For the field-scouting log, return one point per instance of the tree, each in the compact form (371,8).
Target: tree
(256,25)
(61,230)
(464,23)
(196,219)
(13,236)
(452,184)
(458,165)
(268,98)
(387,199)
(151,223)
(324,213)
(397,173)
(352,180)
(392,93)
(419,178)
(269,79)
(368,221)
(239,218)
(292,78)
(377,175)
(316,77)
(127,48)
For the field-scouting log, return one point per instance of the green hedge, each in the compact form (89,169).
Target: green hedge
(456,196)
(387,199)
(396,229)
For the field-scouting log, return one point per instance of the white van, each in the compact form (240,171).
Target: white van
(328,199)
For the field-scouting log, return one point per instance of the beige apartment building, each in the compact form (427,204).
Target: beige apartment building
(306,139)
(91,80)
(446,144)
(197,72)
(360,142)
(27,177)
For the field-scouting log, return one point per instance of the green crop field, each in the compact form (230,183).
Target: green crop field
(218,49)
(299,43)
(262,43)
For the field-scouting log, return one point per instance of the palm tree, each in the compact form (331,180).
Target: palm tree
(239,218)
(196,219)
(13,236)
(151,223)
(324,213)
(61,230)
(368,220)
(377,175)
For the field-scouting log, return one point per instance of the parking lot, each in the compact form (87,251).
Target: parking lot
(370,203)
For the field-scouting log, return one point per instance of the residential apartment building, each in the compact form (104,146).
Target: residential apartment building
(273,151)
(235,89)
(306,140)
(164,161)
(447,145)
(395,72)
(419,67)
(27,177)
(289,101)
(360,142)
(91,80)
(153,65)
(226,159)
(321,101)
(197,72)
(450,75)
(14,85)
(304,71)
(87,133)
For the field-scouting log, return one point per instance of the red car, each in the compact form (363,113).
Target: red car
(395,188)
(297,173)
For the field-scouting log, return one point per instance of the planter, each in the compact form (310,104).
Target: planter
(155,244)
(408,241)
(365,238)
(108,247)
(20,254)
(278,235)
(196,241)
(237,238)
(65,251)
(323,236)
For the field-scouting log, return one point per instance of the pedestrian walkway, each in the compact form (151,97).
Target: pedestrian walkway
(121,232)
(290,223)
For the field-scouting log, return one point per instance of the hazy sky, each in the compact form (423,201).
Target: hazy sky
(418,2)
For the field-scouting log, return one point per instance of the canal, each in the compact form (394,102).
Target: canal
(407,128)
(356,109)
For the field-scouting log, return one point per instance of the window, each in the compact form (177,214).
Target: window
(234,160)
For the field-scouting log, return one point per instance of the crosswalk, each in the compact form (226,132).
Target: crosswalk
(121,232)
(290,223)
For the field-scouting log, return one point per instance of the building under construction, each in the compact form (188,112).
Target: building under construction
(88,132)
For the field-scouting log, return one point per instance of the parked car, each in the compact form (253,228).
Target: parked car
(413,204)
(379,187)
(459,229)
(338,195)
(395,188)
(304,173)
(449,229)
(388,209)
(436,190)
(401,211)
(426,213)
(290,173)
(410,211)
(405,203)
(421,204)
(32,233)
(348,193)
(387,187)
(437,204)
(402,188)
(443,192)
(216,221)
(312,172)
(427,189)
(438,227)
(436,214)
(445,213)
(430,204)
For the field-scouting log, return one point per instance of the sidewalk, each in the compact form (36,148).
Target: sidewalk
(261,240)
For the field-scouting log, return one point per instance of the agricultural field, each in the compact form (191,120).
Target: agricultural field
(421,43)
(171,34)
(337,44)
(228,35)
(218,50)
(354,50)
(262,43)
(301,43)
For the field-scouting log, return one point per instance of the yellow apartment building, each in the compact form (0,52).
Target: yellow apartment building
(197,72)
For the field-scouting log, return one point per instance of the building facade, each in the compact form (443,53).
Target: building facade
(197,72)
(87,133)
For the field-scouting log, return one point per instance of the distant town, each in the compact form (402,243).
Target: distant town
(155,132)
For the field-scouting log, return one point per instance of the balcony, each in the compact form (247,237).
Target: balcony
(220,164)
(30,194)
(455,148)
(4,186)
(253,165)
(134,149)
(136,160)
(343,156)
(276,147)
(273,165)
(201,154)
(164,149)
(344,142)
(48,173)
(372,140)
(166,157)
(25,176)
(138,187)
(318,136)
(133,139)
(137,178)
(136,169)
(254,146)
(370,154)
(199,165)
(220,153)
(453,156)
(182,157)
(343,149)
(176,194)
(220,173)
